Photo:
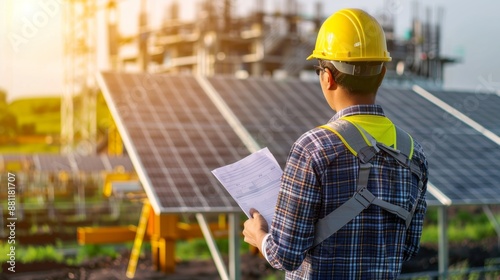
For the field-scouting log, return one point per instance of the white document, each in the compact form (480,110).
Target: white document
(253,182)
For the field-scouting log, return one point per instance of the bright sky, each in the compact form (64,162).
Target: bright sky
(31,53)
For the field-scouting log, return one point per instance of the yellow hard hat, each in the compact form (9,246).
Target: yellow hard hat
(351,35)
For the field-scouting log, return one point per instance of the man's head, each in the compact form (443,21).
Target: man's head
(352,45)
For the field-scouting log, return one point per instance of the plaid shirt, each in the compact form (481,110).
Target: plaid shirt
(320,175)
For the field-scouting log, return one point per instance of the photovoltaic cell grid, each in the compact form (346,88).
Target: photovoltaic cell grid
(463,163)
(480,107)
(274,112)
(175,136)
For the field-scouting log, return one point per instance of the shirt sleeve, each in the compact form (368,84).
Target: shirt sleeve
(292,229)
(414,231)
(263,246)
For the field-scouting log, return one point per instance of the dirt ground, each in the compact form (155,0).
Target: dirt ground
(252,266)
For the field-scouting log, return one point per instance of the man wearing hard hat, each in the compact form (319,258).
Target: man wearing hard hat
(352,198)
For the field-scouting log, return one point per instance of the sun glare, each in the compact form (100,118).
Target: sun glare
(18,10)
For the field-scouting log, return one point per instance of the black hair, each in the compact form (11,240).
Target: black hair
(355,84)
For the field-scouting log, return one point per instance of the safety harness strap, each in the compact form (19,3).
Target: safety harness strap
(365,147)
(342,215)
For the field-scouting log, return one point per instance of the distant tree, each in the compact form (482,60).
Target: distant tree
(8,124)
(3,96)
(3,101)
(27,129)
(8,121)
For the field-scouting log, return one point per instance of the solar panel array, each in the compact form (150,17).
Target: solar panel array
(278,112)
(175,135)
(68,163)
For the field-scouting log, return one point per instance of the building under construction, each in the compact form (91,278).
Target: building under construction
(261,43)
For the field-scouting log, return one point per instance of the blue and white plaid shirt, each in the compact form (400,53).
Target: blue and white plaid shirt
(320,175)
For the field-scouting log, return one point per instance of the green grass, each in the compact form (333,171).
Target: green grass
(87,252)
(31,254)
(198,249)
(42,116)
(28,149)
(467,223)
(43,112)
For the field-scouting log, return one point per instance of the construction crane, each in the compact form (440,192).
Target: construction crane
(78,131)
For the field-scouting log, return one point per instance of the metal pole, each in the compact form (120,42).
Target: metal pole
(214,250)
(443,241)
(234,246)
(493,221)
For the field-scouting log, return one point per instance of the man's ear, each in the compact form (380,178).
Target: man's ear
(332,84)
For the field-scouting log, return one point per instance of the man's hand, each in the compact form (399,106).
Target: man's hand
(255,229)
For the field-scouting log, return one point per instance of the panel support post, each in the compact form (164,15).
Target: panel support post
(163,231)
(167,255)
(214,250)
(443,241)
(234,246)
(493,221)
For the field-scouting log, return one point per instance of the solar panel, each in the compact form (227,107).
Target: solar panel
(89,163)
(74,162)
(53,163)
(463,163)
(114,162)
(276,113)
(174,136)
(481,107)
(11,162)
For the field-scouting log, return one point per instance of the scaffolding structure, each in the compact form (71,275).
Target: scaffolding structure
(218,42)
(78,102)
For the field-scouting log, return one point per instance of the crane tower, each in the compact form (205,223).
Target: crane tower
(78,103)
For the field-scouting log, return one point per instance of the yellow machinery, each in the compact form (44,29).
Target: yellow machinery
(163,231)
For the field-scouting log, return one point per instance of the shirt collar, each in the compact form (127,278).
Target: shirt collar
(359,110)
